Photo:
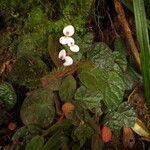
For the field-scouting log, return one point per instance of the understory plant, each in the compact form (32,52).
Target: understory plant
(68,91)
(78,105)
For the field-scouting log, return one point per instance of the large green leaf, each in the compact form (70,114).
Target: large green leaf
(82,133)
(125,116)
(93,78)
(67,88)
(114,91)
(109,83)
(7,95)
(38,108)
(25,133)
(101,56)
(89,99)
(54,142)
(36,143)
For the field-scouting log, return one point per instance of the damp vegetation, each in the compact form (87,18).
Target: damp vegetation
(74,74)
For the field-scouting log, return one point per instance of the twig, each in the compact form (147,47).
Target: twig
(127,32)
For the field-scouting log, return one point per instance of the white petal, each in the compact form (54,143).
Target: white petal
(68,61)
(63,40)
(74,48)
(68,30)
(62,54)
(70,41)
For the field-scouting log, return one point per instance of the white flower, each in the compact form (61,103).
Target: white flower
(68,61)
(62,54)
(63,40)
(74,48)
(70,41)
(68,30)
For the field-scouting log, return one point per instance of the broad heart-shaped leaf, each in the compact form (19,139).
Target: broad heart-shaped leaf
(38,108)
(67,88)
(114,91)
(109,83)
(93,78)
(7,95)
(36,143)
(125,116)
(82,133)
(89,99)
(25,133)
(101,56)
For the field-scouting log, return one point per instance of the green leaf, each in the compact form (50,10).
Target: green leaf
(114,91)
(93,78)
(54,142)
(131,78)
(67,88)
(38,108)
(120,46)
(25,133)
(101,56)
(82,133)
(144,43)
(89,99)
(120,59)
(7,95)
(125,116)
(78,116)
(36,143)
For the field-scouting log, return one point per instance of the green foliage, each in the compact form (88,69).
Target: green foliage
(25,133)
(82,133)
(85,42)
(36,143)
(35,19)
(89,99)
(120,59)
(38,108)
(131,78)
(101,56)
(78,116)
(125,116)
(7,95)
(67,89)
(93,78)
(120,46)
(144,42)
(33,44)
(109,83)
(114,91)
(54,142)
(27,71)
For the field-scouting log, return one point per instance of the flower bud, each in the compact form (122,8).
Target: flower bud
(68,30)
(62,54)
(68,61)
